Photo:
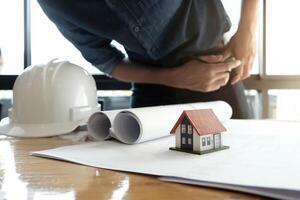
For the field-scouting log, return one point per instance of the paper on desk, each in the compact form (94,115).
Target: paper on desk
(143,124)
(263,154)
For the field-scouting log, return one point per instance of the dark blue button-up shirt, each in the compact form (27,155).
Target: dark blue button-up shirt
(160,33)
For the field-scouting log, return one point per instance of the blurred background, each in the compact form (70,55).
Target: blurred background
(28,37)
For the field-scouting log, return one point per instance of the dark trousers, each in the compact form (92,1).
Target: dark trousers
(154,95)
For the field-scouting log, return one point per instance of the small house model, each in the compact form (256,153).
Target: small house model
(198,131)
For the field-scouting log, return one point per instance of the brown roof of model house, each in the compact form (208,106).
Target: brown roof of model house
(203,120)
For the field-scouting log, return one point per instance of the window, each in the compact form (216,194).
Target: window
(48,43)
(282,37)
(11,37)
(183,128)
(38,45)
(190,141)
(190,129)
(208,140)
(284,104)
(279,80)
(203,141)
(183,140)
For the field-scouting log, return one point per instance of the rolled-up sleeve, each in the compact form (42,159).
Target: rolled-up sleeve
(95,49)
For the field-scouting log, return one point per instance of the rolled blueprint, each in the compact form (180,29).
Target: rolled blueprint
(100,123)
(148,123)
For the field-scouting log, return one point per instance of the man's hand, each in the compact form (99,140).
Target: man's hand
(199,76)
(242,45)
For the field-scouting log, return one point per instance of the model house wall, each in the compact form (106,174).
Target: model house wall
(206,142)
(200,143)
(178,137)
(196,139)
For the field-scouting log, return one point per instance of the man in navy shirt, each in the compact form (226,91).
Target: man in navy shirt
(176,53)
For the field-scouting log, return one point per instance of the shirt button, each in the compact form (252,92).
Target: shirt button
(136,29)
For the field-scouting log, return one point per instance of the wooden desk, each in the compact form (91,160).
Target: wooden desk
(26,177)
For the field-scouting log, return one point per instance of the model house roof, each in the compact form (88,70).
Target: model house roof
(203,120)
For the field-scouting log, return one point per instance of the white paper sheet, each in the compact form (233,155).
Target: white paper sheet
(143,124)
(263,154)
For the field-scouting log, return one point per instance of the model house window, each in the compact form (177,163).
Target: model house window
(190,129)
(189,140)
(183,140)
(183,128)
(208,140)
(204,141)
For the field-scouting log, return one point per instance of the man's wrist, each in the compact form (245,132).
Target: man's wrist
(138,73)
(164,76)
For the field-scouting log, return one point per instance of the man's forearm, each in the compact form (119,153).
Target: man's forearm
(249,15)
(192,75)
(138,73)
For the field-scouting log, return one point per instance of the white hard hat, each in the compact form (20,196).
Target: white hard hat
(50,100)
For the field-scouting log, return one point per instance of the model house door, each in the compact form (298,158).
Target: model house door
(186,135)
(217,139)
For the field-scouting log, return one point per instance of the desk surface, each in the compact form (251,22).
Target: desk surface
(27,177)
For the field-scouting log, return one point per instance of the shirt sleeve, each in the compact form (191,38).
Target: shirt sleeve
(95,49)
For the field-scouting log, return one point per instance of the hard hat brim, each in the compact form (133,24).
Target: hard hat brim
(36,130)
